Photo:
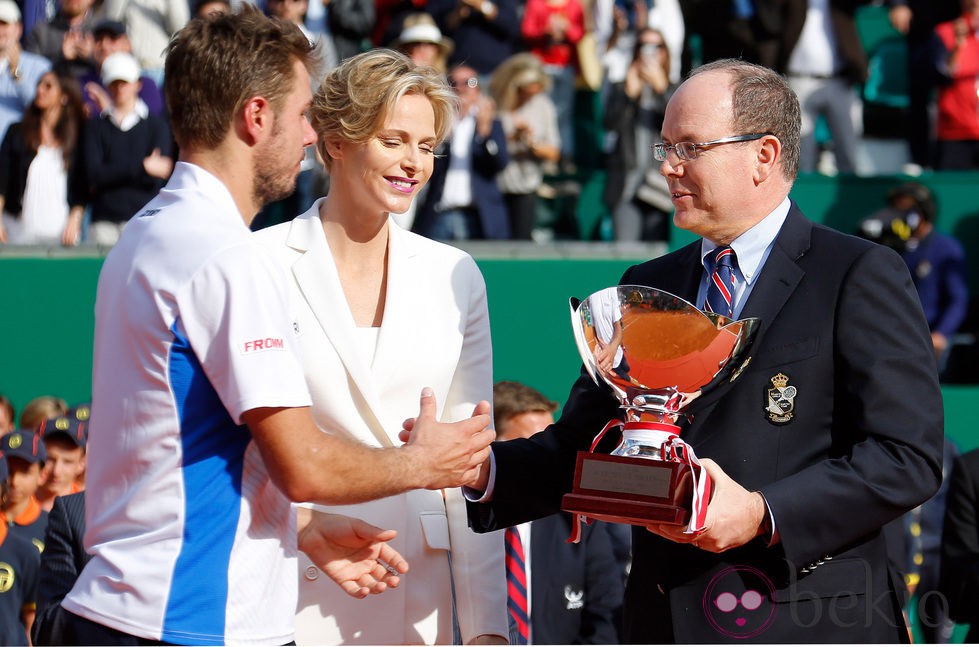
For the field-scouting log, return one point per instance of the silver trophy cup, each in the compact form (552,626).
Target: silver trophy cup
(658,353)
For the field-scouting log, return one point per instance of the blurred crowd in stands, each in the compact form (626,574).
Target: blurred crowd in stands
(560,103)
(552,92)
(555,94)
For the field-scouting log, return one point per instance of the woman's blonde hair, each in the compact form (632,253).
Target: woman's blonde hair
(516,71)
(356,98)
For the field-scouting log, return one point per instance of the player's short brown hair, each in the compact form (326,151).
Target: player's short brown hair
(215,65)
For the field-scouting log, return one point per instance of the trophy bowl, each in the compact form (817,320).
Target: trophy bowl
(658,353)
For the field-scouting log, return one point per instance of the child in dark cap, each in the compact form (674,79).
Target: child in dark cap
(18,601)
(65,438)
(25,456)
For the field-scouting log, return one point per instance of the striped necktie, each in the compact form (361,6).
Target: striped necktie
(516,579)
(720,287)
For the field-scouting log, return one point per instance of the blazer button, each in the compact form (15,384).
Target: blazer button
(312,573)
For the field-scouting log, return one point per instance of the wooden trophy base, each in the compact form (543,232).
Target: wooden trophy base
(636,491)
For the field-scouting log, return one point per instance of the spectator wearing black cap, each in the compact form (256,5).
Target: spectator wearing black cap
(66,39)
(18,596)
(109,37)
(150,24)
(65,439)
(25,456)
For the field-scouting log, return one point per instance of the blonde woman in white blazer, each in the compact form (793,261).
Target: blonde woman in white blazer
(384,312)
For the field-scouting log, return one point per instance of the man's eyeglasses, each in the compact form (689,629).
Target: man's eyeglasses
(471,82)
(688,151)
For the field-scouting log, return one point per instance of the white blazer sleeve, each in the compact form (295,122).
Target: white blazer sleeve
(478,573)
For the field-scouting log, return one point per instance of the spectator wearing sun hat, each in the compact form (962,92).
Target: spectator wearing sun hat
(423,42)
(25,456)
(126,151)
(65,439)
(19,70)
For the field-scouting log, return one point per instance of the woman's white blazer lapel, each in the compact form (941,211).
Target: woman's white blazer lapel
(401,334)
(319,285)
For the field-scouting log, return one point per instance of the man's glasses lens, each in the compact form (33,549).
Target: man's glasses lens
(686,151)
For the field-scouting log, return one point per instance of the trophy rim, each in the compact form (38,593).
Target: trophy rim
(673,399)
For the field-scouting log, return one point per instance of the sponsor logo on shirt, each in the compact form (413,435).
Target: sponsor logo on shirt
(263,344)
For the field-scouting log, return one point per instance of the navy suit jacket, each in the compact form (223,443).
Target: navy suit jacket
(63,558)
(841,319)
(489,157)
(576,589)
(960,544)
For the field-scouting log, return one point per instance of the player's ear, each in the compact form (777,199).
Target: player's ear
(255,120)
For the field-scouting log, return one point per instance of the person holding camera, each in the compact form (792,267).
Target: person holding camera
(936,260)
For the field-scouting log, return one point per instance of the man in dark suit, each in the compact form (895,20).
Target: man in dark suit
(62,561)
(805,477)
(463,201)
(575,589)
(960,544)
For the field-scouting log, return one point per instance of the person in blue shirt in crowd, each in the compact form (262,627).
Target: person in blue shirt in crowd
(936,260)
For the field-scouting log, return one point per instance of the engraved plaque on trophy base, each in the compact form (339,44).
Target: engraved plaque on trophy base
(636,491)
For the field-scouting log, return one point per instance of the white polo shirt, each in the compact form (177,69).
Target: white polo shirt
(191,541)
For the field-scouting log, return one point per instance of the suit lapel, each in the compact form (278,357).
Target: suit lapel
(779,279)
(319,283)
(781,274)
(399,328)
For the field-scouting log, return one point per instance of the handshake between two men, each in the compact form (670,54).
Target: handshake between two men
(355,554)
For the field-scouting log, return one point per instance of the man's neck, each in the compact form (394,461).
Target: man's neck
(234,172)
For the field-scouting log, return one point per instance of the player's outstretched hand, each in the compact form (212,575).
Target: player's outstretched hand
(351,552)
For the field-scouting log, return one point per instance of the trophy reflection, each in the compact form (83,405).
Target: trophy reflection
(658,353)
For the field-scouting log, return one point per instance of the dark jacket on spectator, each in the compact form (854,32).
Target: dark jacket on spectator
(118,184)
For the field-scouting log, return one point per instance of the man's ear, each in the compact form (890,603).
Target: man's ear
(256,119)
(766,163)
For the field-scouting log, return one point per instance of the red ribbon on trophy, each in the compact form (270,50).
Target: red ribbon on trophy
(671,448)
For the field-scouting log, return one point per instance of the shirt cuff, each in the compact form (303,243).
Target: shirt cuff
(770,534)
(475,496)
